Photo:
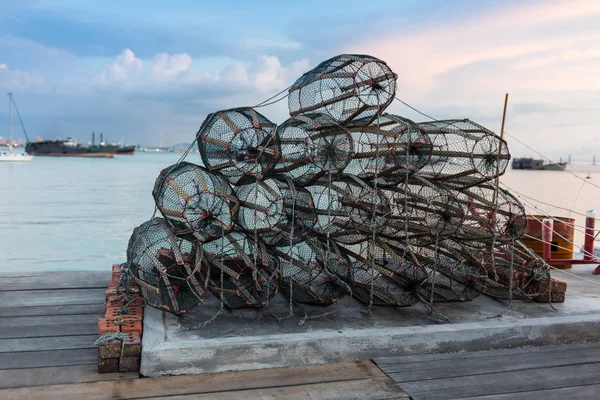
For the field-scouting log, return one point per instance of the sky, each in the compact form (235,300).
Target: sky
(149,72)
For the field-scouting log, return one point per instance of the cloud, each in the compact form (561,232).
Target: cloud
(14,79)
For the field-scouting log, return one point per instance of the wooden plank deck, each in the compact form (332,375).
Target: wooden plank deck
(552,372)
(47,331)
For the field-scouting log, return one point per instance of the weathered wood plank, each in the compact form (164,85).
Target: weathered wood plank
(39,311)
(47,343)
(381,361)
(589,392)
(505,382)
(206,383)
(57,375)
(33,298)
(361,389)
(56,280)
(52,358)
(486,365)
(56,325)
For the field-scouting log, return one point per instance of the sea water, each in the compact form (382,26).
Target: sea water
(68,213)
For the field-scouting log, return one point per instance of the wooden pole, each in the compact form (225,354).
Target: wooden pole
(497,180)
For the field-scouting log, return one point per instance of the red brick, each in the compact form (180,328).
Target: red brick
(110,349)
(557,286)
(106,326)
(107,365)
(113,312)
(115,301)
(129,364)
(131,325)
(133,345)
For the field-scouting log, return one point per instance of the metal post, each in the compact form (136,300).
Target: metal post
(10,121)
(588,244)
(547,228)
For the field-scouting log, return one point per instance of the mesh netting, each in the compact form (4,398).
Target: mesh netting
(388,149)
(345,87)
(464,153)
(491,214)
(166,268)
(240,143)
(198,205)
(261,206)
(306,266)
(250,273)
(299,215)
(311,147)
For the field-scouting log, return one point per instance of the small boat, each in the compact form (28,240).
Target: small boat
(125,150)
(70,148)
(10,155)
(530,163)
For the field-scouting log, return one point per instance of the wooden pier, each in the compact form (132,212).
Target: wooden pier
(48,325)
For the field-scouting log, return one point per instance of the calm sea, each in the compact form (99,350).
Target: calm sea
(77,213)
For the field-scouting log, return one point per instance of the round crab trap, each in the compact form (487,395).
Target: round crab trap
(313,146)
(261,207)
(349,210)
(198,205)
(370,279)
(388,149)
(528,273)
(240,143)
(464,153)
(453,275)
(436,213)
(345,87)
(167,268)
(242,270)
(485,219)
(305,275)
(299,215)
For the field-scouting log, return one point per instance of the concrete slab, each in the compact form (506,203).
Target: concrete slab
(253,339)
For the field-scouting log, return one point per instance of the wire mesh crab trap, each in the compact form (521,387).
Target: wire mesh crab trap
(261,207)
(241,271)
(388,149)
(299,215)
(240,143)
(313,146)
(372,278)
(515,271)
(345,87)
(464,153)
(305,275)
(198,205)
(491,215)
(167,268)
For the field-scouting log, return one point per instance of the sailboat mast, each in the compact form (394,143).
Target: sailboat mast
(10,121)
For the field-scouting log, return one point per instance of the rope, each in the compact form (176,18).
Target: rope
(109,337)
(266,102)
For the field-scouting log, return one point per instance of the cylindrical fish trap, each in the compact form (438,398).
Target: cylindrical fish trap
(167,268)
(464,153)
(345,87)
(486,220)
(313,146)
(299,215)
(250,273)
(388,148)
(530,274)
(371,276)
(240,143)
(306,267)
(198,205)
(261,207)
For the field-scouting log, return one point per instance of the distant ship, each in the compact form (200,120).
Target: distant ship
(126,150)
(70,148)
(530,163)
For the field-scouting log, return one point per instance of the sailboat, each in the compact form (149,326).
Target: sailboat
(9,155)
